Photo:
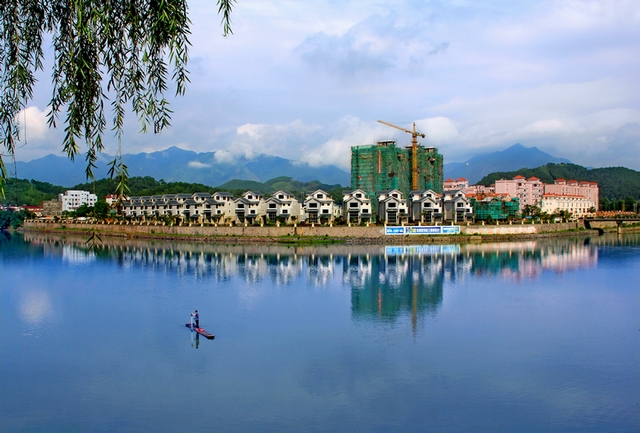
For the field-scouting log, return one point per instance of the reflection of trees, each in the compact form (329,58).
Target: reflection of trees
(387,287)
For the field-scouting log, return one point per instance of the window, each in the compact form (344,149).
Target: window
(358,195)
(353,204)
(313,205)
(272,205)
(320,196)
(392,205)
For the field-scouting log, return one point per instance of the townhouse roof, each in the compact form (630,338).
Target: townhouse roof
(201,194)
(317,191)
(278,200)
(319,200)
(519,176)
(392,198)
(212,200)
(354,191)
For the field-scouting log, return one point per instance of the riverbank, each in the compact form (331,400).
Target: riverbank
(321,234)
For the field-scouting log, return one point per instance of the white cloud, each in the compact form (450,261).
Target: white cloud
(33,123)
(198,164)
(286,140)
(224,156)
(307,80)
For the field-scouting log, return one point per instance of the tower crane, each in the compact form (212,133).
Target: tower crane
(414,150)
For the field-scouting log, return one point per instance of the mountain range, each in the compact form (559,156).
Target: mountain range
(510,159)
(178,165)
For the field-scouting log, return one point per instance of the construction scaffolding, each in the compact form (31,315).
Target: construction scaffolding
(495,207)
(384,166)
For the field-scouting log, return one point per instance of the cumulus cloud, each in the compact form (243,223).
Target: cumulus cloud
(376,44)
(342,135)
(307,80)
(224,156)
(33,123)
(286,140)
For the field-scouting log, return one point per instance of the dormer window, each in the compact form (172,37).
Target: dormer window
(280,196)
(320,196)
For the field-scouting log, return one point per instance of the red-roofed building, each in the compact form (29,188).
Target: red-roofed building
(528,191)
(460,183)
(584,188)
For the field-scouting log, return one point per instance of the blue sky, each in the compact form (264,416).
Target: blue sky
(306,80)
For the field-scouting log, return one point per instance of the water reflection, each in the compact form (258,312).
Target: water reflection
(385,287)
(385,282)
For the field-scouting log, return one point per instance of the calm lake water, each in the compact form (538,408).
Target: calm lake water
(533,336)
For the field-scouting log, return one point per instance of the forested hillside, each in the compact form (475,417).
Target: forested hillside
(33,193)
(617,183)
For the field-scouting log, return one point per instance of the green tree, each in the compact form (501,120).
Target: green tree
(12,219)
(116,51)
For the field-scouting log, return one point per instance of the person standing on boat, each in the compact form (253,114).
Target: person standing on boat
(196,318)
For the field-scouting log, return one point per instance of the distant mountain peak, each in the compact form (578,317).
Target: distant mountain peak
(513,158)
(174,164)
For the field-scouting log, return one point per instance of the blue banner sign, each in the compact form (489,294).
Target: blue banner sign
(422,230)
(421,250)
(394,230)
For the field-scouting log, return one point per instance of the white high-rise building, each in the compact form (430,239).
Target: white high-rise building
(73,199)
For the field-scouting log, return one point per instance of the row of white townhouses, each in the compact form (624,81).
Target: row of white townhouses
(318,207)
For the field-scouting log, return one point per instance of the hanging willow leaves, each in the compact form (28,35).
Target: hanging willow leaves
(131,49)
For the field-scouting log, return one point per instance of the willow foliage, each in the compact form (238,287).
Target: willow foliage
(107,54)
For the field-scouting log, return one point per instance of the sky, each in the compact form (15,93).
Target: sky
(306,80)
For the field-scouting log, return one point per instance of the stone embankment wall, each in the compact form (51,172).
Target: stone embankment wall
(271,232)
(516,229)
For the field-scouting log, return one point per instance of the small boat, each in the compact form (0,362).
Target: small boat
(200,331)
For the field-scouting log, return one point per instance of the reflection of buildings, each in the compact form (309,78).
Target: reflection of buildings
(385,282)
(391,266)
(388,286)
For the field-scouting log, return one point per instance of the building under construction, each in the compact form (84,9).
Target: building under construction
(384,166)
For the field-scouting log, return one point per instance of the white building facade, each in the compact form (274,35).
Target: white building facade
(73,199)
